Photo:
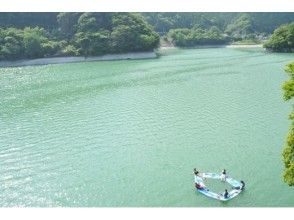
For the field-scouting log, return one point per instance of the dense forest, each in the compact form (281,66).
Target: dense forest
(34,35)
(288,153)
(24,35)
(185,37)
(229,22)
(193,29)
(282,39)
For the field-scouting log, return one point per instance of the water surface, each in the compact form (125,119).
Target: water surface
(129,133)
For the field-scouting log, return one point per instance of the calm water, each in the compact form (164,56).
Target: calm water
(129,133)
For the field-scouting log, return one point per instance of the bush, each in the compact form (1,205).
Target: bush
(282,39)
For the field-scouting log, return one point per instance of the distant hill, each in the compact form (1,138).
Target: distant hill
(260,22)
(36,34)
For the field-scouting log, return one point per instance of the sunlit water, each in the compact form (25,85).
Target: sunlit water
(129,133)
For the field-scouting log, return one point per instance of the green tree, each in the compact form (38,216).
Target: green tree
(76,34)
(288,153)
(50,48)
(67,22)
(197,36)
(21,20)
(131,33)
(69,50)
(282,39)
(124,38)
(87,23)
(11,46)
(32,39)
(95,43)
(241,26)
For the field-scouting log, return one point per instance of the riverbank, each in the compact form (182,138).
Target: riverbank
(217,46)
(125,56)
(57,60)
(244,46)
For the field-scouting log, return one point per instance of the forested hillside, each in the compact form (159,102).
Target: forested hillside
(34,35)
(192,29)
(225,21)
(282,39)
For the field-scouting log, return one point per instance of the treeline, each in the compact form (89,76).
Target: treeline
(197,36)
(34,35)
(46,20)
(231,27)
(27,43)
(85,34)
(260,22)
(239,29)
(288,153)
(282,39)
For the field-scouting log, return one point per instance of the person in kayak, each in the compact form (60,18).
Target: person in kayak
(223,175)
(196,175)
(199,186)
(226,194)
(196,172)
(242,187)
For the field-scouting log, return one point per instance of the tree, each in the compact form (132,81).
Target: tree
(67,22)
(32,39)
(50,48)
(131,33)
(241,26)
(11,46)
(21,20)
(87,23)
(124,38)
(69,50)
(282,39)
(197,36)
(96,43)
(288,152)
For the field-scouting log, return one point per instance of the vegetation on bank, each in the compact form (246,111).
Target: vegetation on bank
(288,153)
(282,39)
(192,29)
(228,22)
(196,36)
(85,34)
(36,35)
(248,42)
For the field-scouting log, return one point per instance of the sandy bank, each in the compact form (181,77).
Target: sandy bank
(56,60)
(244,46)
(216,46)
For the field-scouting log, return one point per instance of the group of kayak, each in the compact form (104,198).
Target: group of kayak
(237,186)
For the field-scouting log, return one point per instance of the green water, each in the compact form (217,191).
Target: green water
(129,133)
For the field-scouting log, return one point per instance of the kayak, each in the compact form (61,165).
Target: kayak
(232,194)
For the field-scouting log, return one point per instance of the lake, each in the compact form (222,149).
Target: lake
(129,133)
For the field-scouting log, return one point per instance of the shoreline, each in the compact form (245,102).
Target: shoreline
(216,46)
(111,57)
(72,59)
(244,46)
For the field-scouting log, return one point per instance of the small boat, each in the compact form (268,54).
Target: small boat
(232,194)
